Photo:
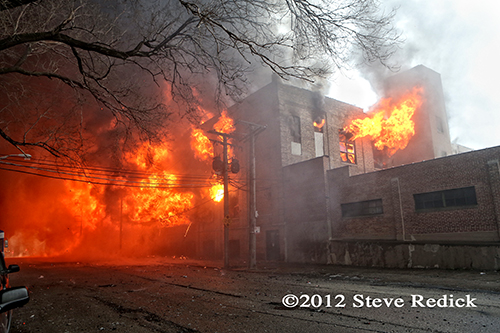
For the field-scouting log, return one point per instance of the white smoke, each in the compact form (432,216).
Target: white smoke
(457,39)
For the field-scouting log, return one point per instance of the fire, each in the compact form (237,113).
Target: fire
(155,189)
(153,202)
(204,150)
(217,192)
(225,124)
(390,124)
(201,145)
(320,124)
(85,204)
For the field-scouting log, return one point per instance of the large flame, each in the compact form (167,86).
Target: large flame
(151,187)
(225,124)
(390,124)
(217,192)
(153,202)
(201,145)
(204,150)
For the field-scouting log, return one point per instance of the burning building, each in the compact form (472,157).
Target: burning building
(328,193)
(333,185)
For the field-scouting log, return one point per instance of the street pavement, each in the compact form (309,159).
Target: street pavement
(163,294)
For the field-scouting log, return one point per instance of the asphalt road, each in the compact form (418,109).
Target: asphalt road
(166,295)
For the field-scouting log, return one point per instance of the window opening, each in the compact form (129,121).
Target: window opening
(460,197)
(362,208)
(347,148)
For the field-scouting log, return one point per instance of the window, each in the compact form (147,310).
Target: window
(295,134)
(347,150)
(439,125)
(362,208)
(318,125)
(460,197)
(295,129)
(319,147)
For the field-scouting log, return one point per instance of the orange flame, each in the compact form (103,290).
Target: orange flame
(204,151)
(98,219)
(201,145)
(217,192)
(153,203)
(320,124)
(225,124)
(391,125)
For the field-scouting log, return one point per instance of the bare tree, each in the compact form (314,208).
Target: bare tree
(114,51)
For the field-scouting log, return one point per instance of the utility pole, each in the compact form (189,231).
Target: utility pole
(226,202)
(225,171)
(121,219)
(252,207)
(255,129)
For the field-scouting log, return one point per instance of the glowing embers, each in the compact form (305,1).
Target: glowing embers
(347,148)
(389,124)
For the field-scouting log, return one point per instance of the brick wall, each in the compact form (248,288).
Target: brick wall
(396,187)
(305,210)
(273,106)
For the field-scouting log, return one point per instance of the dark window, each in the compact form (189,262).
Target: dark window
(295,129)
(362,208)
(439,125)
(459,197)
(347,150)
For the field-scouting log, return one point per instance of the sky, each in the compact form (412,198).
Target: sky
(460,39)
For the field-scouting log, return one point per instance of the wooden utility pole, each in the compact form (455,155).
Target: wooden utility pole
(225,171)
(121,219)
(226,202)
(252,207)
(255,129)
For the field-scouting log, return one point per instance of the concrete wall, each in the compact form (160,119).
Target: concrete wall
(415,255)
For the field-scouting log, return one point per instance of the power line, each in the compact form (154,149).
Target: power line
(106,177)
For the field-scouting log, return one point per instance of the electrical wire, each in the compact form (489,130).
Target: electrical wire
(104,177)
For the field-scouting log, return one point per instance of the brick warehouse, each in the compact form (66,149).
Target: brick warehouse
(322,198)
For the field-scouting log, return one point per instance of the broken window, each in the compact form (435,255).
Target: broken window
(362,208)
(460,197)
(347,149)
